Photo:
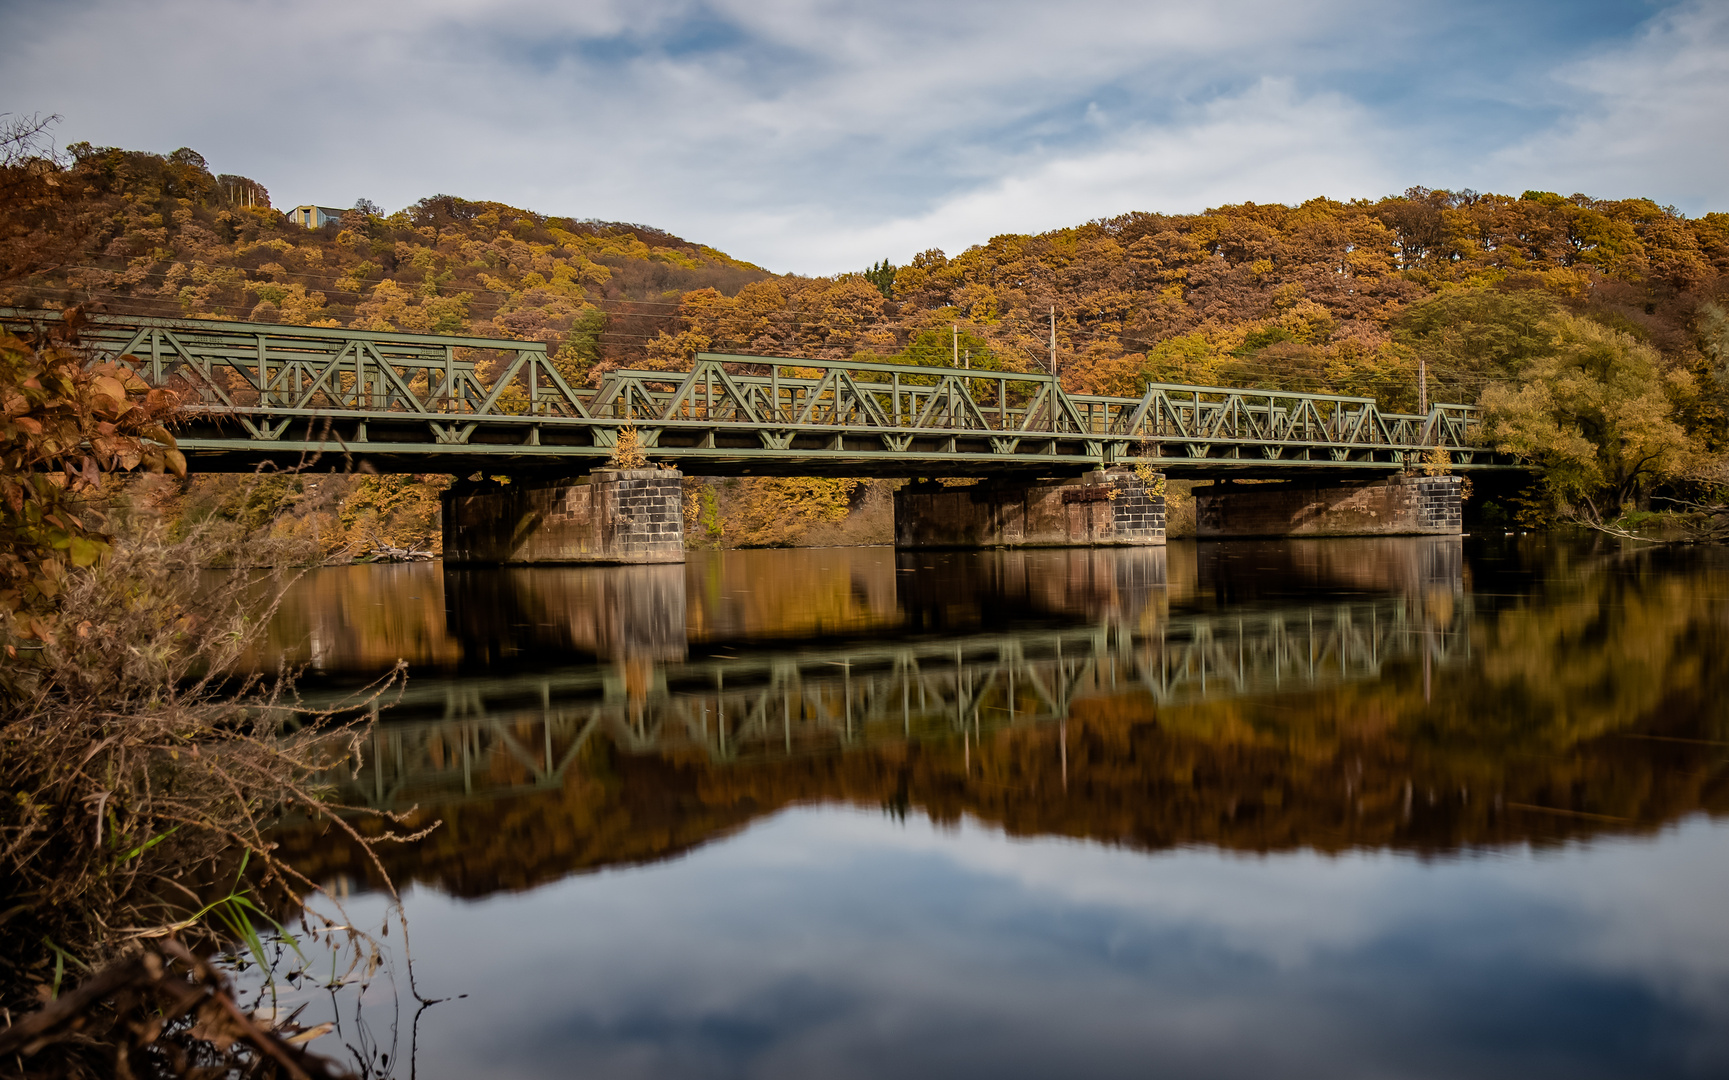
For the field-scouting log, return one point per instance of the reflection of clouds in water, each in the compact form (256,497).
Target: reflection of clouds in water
(837,943)
(1656,910)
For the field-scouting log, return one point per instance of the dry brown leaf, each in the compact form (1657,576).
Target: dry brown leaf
(310,1034)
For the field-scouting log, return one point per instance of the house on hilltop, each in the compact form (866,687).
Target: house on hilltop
(314,217)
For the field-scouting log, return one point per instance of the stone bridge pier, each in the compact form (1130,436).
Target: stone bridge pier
(1401,505)
(1106,508)
(608,516)
(637,515)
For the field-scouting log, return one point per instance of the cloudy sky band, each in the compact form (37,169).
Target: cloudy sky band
(817,136)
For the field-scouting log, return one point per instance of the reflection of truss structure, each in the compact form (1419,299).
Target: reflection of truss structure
(504,736)
(417,401)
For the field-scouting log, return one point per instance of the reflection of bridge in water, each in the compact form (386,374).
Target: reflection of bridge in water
(477,737)
(1262,698)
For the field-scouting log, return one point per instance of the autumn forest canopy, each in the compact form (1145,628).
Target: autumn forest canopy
(1593,331)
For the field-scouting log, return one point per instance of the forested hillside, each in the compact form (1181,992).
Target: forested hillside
(141,233)
(1593,330)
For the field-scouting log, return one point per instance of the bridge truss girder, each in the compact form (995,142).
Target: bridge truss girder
(415,402)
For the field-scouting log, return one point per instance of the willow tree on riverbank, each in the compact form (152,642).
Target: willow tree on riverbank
(1599,414)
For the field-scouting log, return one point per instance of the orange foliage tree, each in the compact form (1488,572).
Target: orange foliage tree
(63,425)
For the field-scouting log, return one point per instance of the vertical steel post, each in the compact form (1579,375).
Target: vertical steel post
(1053,367)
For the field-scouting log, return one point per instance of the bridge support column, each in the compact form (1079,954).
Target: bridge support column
(1105,509)
(609,516)
(1393,506)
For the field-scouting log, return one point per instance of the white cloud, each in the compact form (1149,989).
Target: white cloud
(1268,144)
(1654,121)
(680,114)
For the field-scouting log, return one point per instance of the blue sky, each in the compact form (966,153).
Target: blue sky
(818,136)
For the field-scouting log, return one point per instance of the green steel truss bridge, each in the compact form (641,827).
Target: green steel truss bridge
(331,398)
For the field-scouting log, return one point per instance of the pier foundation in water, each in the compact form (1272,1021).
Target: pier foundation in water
(609,516)
(1111,508)
(1394,506)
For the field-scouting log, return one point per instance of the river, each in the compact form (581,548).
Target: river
(1331,808)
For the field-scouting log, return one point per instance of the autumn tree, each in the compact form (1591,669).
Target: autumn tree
(1469,339)
(64,426)
(1597,411)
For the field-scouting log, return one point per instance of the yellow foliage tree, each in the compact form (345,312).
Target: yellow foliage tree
(1598,412)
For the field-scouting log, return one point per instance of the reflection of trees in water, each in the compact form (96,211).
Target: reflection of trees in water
(1628,639)
(1595,707)
(361,618)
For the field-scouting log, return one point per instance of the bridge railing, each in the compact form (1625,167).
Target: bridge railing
(803,392)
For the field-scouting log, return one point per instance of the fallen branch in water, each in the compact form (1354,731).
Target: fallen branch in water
(159,1013)
(1697,523)
(384,551)
(396,554)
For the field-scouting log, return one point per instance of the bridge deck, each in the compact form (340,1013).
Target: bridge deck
(428,403)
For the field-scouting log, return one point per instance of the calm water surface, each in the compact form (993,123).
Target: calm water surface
(1391,808)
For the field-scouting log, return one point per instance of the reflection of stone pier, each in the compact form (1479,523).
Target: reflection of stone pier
(1401,566)
(659,612)
(613,613)
(956,591)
